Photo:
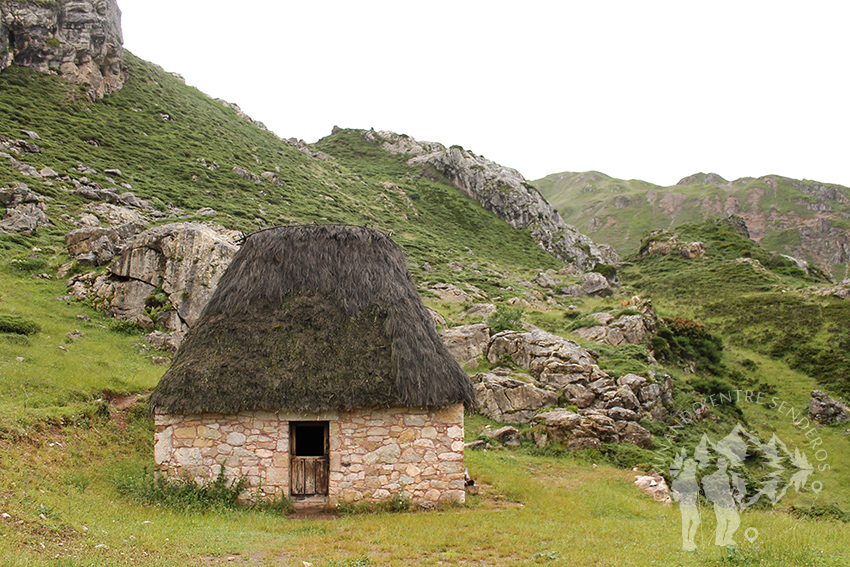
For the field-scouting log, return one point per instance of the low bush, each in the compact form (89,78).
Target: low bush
(18,325)
(506,318)
(184,493)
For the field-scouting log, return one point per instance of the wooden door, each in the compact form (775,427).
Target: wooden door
(309,460)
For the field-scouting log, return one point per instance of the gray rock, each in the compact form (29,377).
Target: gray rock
(467,342)
(482,310)
(622,397)
(635,433)
(633,381)
(450,292)
(25,218)
(81,40)
(826,410)
(185,259)
(622,414)
(246,175)
(507,436)
(595,284)
(579,395)
(168,342)
(626,329)
(99,245)
(553,361)
(509,400)
(18,195)
(546,280)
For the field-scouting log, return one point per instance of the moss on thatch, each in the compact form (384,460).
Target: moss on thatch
(310,318)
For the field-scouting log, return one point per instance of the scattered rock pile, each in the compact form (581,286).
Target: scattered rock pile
(826,410)
(561,374)
(664,243)
(631,328)
(25,211)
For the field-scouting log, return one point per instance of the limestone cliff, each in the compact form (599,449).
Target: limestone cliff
(80,40)
(502,191)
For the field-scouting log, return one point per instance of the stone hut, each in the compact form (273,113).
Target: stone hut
(315,372)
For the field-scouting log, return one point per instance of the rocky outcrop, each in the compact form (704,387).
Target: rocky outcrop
(168,272)
(588,429)
(96,246)
(502,191)
(466,342)
(663,243)
(633,327)
(24,210)
(703,179)
(826,410)
(554,361)
(80,40)
(606,410)
(508,399)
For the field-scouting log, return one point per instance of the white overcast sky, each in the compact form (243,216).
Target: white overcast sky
(652,90)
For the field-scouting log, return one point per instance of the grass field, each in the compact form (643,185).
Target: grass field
(59,490)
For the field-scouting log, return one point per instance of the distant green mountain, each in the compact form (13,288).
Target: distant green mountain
(805,219)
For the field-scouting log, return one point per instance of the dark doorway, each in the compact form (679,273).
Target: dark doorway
(308,445)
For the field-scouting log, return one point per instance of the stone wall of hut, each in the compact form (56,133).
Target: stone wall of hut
(374,453)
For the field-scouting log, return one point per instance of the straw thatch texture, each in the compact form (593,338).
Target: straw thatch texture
(312,318)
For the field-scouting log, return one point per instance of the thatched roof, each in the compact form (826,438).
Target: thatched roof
(312,318)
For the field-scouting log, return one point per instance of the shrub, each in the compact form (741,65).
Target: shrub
(710,386)
(28,264)
(506,318)
(152,488)
(821,512)
(685,340)
(126,327)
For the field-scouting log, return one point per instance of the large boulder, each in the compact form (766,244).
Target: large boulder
(595,285)
(508,399)
(80,40)
(24,218)
(588,429)
(97,246)
(185,260)
(24,210)
(466,342)
(553,361)
(632,328)
(172,269)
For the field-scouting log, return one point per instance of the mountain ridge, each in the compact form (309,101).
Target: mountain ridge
(805,219)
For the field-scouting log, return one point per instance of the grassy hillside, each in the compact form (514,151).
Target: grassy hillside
(783,215)
(165,137)
(72,440)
